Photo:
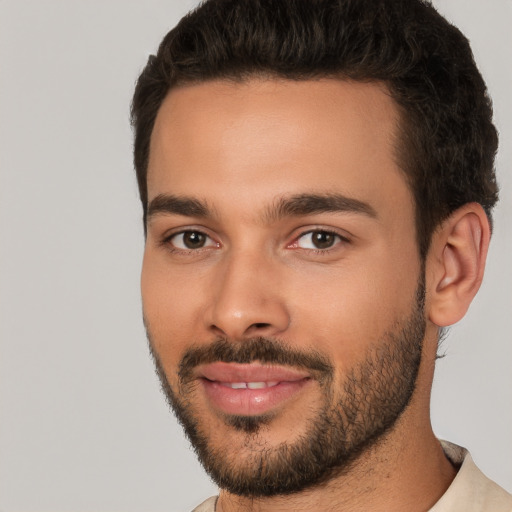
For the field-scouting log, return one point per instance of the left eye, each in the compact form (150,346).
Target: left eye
(189,240)
(318,240)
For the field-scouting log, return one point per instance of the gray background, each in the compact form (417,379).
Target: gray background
(83,426)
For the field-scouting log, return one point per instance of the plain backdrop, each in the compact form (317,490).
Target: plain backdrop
(83,424)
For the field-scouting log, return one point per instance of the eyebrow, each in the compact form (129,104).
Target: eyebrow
(310,204)
(294,206)
(178,205)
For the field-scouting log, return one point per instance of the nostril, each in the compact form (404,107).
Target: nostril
(260,325)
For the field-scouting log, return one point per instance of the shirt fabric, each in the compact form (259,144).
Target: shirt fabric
(470,491)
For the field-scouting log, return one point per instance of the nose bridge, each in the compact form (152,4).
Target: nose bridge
(247,300)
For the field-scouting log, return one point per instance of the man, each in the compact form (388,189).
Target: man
(317,182)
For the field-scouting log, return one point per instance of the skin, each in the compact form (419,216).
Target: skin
(239,148)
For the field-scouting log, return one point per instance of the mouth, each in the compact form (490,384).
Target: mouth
(249,385)
(250,389)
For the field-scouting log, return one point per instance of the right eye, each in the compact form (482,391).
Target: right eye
(191,240)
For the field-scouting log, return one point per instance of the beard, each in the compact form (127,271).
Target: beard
(350,418)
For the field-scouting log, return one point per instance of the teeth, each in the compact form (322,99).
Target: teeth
(256,385)
(250,385)
(238,385)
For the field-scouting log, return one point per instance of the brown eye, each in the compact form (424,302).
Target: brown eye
(193,239)
(190,240)
(319,240)
(322,239)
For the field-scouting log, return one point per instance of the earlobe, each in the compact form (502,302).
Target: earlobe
(457,261)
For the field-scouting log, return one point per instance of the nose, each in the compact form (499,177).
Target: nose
(247,299)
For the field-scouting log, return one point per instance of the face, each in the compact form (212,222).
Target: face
(282,287)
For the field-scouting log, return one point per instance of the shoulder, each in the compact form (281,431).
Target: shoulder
(471,490)
(207,506)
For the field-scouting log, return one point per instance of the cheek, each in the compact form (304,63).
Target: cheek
(346,309)
(172,305)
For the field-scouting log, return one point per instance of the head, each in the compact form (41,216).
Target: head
(305,169)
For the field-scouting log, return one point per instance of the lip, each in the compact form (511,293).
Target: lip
(274,386)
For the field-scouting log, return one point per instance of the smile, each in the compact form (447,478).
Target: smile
(250,389)
(249,385)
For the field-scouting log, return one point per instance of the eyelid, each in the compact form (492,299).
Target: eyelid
(318,229)
(166,239)
(170,235)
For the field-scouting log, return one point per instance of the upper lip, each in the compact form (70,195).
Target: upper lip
(251,372)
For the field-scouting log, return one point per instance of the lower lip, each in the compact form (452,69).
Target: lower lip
(251,402)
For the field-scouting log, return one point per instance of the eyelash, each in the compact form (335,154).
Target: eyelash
(341,240)
(166,241)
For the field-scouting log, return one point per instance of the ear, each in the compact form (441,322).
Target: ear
(456,263)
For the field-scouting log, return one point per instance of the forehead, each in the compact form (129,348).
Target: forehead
(218,140)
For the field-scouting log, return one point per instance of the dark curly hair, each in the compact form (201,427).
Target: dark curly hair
(447,142)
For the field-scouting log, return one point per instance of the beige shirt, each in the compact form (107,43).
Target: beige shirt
(470,491)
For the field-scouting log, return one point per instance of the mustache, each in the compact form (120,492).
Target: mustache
(261,349)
